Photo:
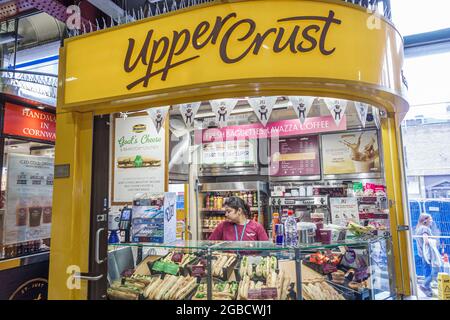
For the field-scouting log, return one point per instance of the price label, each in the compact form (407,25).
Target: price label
(198,271)
(158,266)
(361,274)
(269,293)
(177,257)
(329,268)
(254,294)
(171,268)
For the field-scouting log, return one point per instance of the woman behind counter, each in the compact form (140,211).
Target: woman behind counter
(238,225)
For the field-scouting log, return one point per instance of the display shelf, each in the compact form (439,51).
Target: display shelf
(179,244)
(349,242)
(364,216)
(370,197)
(249,245)
(255,209)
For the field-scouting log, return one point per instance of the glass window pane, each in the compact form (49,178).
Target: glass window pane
(428,78)
(418,16)
(426,144)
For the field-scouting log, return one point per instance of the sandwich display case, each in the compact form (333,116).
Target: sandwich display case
(353,269)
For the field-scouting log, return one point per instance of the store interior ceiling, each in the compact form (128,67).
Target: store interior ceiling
(26,147)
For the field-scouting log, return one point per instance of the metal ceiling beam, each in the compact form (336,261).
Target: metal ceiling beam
(111,9)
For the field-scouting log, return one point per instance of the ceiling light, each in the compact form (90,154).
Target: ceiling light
(41,107)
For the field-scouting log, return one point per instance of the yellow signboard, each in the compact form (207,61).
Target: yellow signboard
(250,41)
(444,286)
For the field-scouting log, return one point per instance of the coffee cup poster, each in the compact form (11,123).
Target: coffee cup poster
(139,158)
(351,153)
(28,198)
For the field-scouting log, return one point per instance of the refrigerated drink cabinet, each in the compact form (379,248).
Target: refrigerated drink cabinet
(212,197)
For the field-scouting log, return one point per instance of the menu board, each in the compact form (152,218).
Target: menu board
(344,210)
(296,156)
(231,153)
(350,153)
(139,158)
(28,198)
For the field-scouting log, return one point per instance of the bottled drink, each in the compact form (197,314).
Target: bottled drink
(219,202)
(279,234)
(211,200)
(275,221)
(207,201)
(446,267)
(255,200)
(245,197)
(216,198)
(250,199)
(290,229)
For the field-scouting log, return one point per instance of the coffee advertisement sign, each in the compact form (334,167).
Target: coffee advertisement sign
(296,156)
(351,153)
(29,198)
(139,158)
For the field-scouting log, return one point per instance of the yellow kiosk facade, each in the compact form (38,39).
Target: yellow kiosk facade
(225,49)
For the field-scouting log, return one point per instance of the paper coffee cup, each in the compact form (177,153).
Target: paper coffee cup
(363,166)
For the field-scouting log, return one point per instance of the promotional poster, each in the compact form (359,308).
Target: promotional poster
(350,153)
(139,158)
(29,198)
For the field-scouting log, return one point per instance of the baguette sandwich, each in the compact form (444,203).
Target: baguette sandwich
(130,162)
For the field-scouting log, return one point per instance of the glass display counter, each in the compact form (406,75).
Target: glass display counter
(354,269)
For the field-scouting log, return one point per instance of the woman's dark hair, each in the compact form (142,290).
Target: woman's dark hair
(236,203)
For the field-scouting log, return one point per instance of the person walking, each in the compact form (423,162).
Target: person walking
(428,251)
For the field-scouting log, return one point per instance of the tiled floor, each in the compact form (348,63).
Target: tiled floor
(422,296)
